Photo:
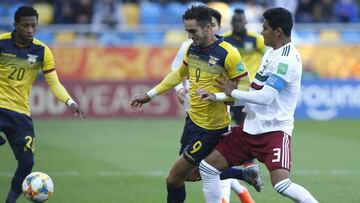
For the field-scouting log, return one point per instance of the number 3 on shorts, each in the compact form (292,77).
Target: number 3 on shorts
(30,143)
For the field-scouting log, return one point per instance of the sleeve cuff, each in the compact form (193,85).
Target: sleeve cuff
(152,93)
(220,96)
(70,101)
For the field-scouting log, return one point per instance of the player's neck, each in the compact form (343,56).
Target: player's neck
(210,41)
(21,42)
(281,42)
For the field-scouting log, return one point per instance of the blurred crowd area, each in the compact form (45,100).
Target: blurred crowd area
(324,28)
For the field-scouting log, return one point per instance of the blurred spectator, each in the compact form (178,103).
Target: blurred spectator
(346,11)
(65,12)
(107,13)
(305,11)
(324,11)
(290,5)
(309,71)
(85,11)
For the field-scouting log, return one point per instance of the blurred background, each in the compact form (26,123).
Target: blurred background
(107,50)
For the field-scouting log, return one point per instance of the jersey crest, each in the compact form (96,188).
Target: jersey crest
(32,59)
(212,61)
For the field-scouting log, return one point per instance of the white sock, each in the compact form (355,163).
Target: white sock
(294,191)
(237,187)
(210,178)
(225,190)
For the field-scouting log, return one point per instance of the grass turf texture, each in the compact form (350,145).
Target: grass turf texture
(126,161)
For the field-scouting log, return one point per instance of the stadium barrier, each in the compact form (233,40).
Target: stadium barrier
(319,99)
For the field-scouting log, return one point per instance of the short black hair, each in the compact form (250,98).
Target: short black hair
(216,14)
(25,11)
(200,13)
(279,17)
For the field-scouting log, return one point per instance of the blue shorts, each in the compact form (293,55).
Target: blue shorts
(197,142)
(19,131)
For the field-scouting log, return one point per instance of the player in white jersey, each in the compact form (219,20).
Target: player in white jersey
(270,106)
(182,90)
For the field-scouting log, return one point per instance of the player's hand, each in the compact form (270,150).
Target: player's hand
(77,111)
(181,94)
(226,86)
(138,100)
(205,95)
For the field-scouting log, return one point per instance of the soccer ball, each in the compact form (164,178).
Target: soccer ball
(38,187)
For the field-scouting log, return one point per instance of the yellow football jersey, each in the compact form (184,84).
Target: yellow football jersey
(218,60)
(18,69)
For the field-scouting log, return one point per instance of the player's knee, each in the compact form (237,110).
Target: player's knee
(194,176)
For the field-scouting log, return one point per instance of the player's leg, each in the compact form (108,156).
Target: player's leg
(241,191)
(231,150)
(178,174)
(20,135)
(196,145)
(277,159)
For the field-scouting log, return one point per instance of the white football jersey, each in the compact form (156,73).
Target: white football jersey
(280,70)
(178,60)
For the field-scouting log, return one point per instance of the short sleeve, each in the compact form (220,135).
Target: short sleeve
(234,64)
(281,76)
(49,62)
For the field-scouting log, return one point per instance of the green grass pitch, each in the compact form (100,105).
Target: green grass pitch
(126,161)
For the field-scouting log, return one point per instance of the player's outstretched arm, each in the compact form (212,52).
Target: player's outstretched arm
(61,94)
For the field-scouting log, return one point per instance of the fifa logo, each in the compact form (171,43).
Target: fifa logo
(212,61)
(32,59)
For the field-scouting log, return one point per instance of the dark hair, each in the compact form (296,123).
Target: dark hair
(239,11)
(200,13)
(216,14)
(279,17)
(26,11)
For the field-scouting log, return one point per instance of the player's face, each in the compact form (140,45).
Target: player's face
(26,27)
(215,25)
(269,34)
(199,35)
(238,23)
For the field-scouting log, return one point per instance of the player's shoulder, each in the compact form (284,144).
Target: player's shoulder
(229,48)
(39,43)
(6,35)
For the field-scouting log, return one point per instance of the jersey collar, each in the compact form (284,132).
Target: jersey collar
(280,49)
(214,44)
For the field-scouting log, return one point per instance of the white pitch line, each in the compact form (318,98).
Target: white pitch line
(159,173)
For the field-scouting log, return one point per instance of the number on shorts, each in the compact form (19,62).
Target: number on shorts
(30,143)
(196,147)
(277,152)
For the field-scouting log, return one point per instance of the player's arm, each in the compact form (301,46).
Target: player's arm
(56,87)
(170,81)
(237,73)
(276,82)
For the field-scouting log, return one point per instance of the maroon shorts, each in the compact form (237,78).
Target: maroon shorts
(272,148)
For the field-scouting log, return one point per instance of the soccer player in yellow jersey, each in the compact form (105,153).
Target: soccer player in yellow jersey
(209,57)
(251,47)
(21,57)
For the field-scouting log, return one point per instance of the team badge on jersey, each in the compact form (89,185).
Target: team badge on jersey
(32,59)
(212,61)
(282,68)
